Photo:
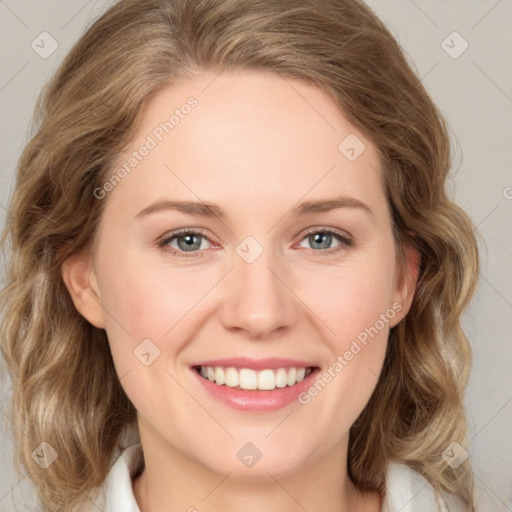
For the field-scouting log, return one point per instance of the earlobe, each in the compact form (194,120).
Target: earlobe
(80,279)
(406,284)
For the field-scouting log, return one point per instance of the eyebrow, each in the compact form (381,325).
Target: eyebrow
(204,209)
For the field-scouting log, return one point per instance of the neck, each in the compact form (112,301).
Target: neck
(173,481)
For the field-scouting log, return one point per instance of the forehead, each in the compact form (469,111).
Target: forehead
(247,138)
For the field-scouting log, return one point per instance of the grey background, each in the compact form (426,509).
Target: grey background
(474,91)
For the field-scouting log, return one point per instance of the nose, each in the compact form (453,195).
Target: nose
(257,299)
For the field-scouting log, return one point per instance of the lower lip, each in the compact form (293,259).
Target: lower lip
(257,400)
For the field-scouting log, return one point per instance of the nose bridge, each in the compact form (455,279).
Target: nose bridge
(255,299)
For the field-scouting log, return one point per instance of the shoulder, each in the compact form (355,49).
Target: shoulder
(408,491)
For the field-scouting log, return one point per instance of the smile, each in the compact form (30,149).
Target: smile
(249,379)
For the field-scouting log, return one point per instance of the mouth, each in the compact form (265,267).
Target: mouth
(249,379)
(253,384)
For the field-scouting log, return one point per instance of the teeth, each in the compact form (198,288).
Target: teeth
(232,379)
(281,378)
(266,380)
(246,378)
(292,376)
(220,376)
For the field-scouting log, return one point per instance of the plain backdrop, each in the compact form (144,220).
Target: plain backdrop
(462,51)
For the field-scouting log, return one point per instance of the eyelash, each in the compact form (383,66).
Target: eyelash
(344,241)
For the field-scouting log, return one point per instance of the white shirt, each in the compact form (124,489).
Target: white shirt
(405,490)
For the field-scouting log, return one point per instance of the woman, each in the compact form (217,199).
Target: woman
(231,235)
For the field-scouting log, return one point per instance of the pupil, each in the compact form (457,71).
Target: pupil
(190,242)
(317,239)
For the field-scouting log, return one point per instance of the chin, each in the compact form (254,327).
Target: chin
(258,464)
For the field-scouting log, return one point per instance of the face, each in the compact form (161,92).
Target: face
(285,281)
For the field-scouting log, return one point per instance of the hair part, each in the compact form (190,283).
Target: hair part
(65,388)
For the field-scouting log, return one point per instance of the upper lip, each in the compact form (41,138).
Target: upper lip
(256,364)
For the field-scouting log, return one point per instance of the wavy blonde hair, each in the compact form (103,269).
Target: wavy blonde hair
(65,388)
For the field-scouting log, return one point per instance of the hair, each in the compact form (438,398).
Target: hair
(65,388)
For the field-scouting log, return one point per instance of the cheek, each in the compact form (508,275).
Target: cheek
(356,311)
(354,305)
(351,300)
(149,300)
(144,305)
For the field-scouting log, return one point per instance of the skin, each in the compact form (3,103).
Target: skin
(256,144)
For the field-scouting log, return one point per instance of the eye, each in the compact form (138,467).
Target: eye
(185,241)
(321,240)
(193,242)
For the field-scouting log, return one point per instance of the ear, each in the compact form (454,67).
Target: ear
(405,286)
(78,275)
